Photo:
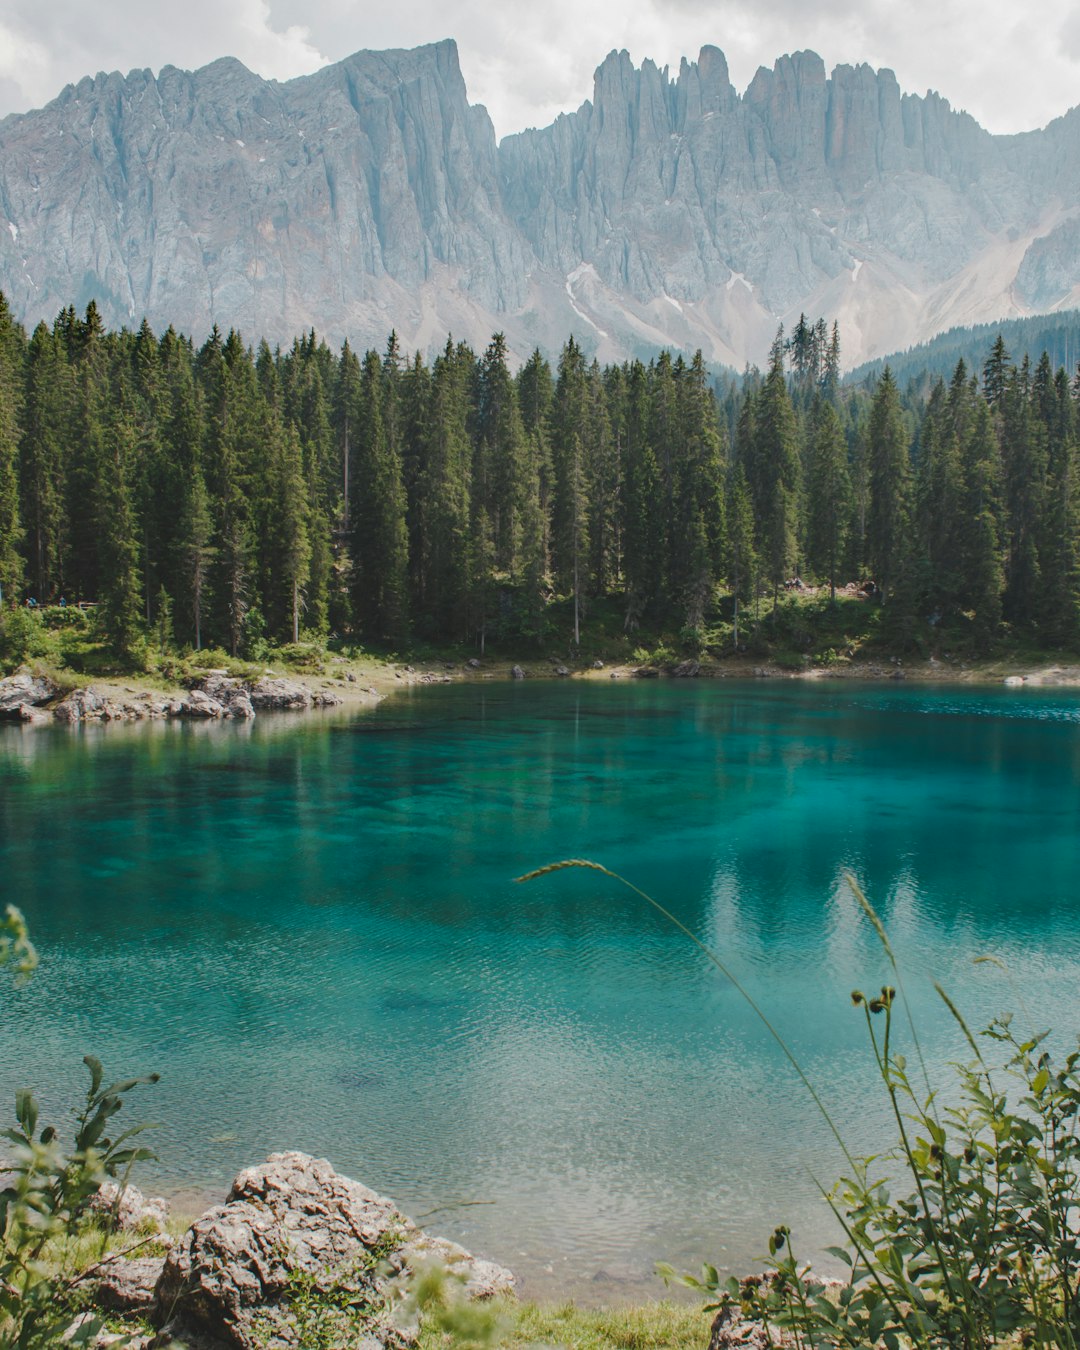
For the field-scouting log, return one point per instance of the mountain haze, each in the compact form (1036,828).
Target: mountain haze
(667,211)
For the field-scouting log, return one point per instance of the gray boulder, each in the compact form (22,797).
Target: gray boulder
(240,708)
(279,695)
(200,705)
(128,1285)
(128,1208)
(81,705)
(517,673)
(291,1224)
(18,691)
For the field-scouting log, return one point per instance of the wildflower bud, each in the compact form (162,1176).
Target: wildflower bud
(858,997)
(875,1005)
(1003,1266)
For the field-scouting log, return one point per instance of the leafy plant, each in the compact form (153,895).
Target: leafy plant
(982,1247)
(45,1203)
(24,637)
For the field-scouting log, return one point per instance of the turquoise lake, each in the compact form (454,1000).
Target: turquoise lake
(310,928)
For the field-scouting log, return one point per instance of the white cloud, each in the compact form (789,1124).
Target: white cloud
(44,46)
(528,61)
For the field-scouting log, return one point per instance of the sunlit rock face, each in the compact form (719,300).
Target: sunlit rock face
(668,210)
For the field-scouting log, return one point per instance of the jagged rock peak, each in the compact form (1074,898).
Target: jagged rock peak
(667,210)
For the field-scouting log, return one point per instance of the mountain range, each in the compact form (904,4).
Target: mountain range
(668,210)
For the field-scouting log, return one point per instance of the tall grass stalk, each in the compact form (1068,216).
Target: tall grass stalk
(985,1251)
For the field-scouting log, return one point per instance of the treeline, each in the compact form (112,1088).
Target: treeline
(1058,335)
(237,495)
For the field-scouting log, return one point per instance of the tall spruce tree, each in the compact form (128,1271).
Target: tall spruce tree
(12,364)
(47,412)
(776,473)
(379,533)
(570,519)
(889,484)
(828,509)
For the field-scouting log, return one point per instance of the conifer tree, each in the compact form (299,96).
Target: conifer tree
(889,481)
(776,472)
(1024,455)
(234,436)
(345,403)
(697,528)
(12,363)
(292,561)
(441,511)
(980,558)
(603,487)
(47,412)
(938,498)
(195,550)
(379,533)
(741,556)
(120,603)
(828,496)
(1059,529)
(642,527)
(570,524)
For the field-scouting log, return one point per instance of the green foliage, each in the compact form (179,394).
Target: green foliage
(16,949)
(644,1326)
(983,1249)
(24,637)
(44,1205)
(266,495)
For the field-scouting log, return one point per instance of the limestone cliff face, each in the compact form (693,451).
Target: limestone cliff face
(667,210)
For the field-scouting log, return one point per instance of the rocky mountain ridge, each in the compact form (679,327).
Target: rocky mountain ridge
(667,211)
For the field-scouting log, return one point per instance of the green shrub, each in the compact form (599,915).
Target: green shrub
(44,1205)
(24,637)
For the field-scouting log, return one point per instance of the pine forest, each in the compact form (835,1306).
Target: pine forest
(225,497)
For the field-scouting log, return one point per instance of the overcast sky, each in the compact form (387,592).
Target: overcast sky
(527,61)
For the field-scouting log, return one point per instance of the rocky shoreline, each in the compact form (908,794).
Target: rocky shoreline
(292,1234)
(36,699)
(216,696)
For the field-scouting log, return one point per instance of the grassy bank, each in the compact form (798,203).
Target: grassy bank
(642,1326)
(806,635)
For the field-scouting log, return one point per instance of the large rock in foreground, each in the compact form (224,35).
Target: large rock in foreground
(294,1233)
